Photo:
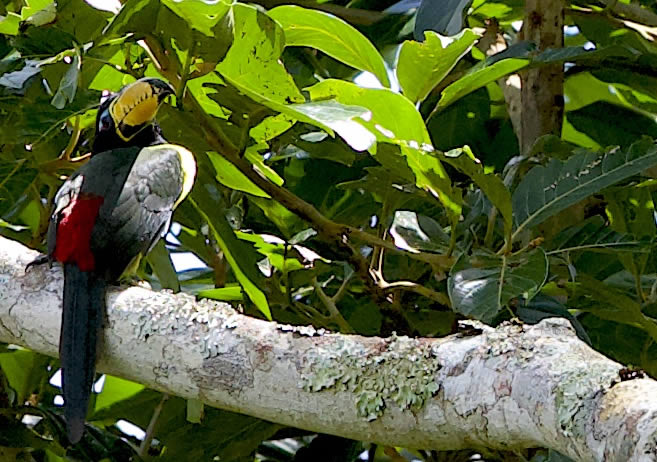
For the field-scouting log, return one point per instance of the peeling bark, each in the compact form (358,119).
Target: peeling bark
(542,87)
(508,388)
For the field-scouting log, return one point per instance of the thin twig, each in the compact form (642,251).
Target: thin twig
(73,140)
(150,430)
(333,310)
(343,288)
(418,289)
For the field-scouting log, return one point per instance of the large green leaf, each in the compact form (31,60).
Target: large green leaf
(162,266)
(201,15)
(596,236)
(481,285)
(231,177)
(545,191)
(331,35)
(394,119)
(341,118)
(613,305)
(252,63)
(445,17)
(434,61)
(611,124)
(479,77)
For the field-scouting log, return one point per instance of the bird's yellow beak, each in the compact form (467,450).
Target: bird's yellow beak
(136,105)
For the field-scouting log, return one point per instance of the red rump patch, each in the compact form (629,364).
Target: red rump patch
(74,231)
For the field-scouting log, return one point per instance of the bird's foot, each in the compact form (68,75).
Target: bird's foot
(38,261)
(133,280)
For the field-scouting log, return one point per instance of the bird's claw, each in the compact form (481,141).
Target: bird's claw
(38,261)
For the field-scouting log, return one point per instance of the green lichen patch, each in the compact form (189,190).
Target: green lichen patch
(166,315)
(401,371)
(578,390)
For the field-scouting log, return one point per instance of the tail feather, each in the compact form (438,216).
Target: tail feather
(82,318)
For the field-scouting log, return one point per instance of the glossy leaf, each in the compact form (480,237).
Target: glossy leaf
(481,285)
(445,17)
(331,35)
(226,294)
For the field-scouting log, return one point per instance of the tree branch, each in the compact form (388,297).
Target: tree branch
(632,11)
(508,388)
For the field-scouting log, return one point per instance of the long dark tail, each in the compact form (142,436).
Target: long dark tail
(82,318)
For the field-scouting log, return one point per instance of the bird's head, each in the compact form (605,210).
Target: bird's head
(123,117)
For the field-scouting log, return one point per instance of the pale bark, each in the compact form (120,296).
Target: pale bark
(508,388)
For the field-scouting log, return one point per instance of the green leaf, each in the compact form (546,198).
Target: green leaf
(195,410)
(331,35)
(232,292)
(231,177)
(9,24)
(613,305)
(445,17)
(612,124)
(24,370)
(230,246)
(479,77)
(68,85)
(481,285)
(594,235)
(341,118)
(418,233)
(16,80)
(252,63)
(545,191)
(116,389)
(394,119)
(434,61)
(201,15)
(222,435)
(279,254)
(491,185)
(162,265)
(16,178)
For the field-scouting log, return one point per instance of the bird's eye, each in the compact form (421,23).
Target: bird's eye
(104,121)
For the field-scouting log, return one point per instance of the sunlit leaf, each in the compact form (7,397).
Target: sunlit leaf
(332,35)
(435,60)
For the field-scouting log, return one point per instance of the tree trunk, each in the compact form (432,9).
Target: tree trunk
(542,88)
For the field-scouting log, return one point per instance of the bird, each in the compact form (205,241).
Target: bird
(106,216)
